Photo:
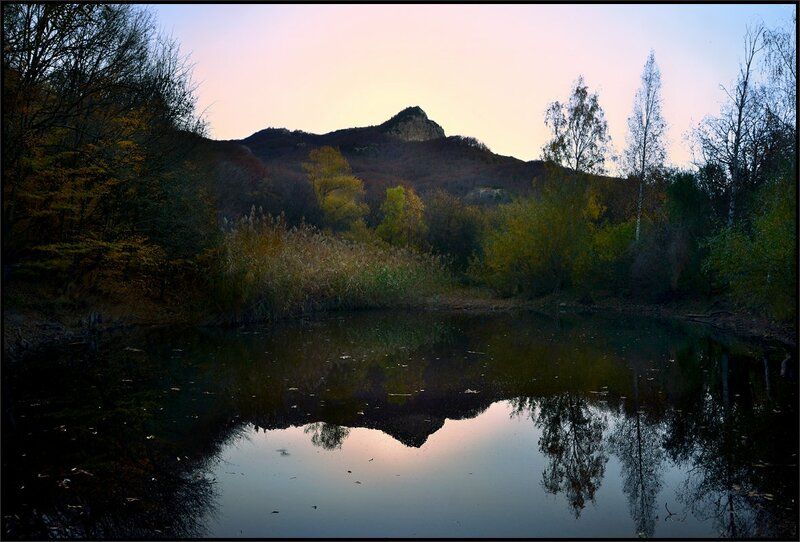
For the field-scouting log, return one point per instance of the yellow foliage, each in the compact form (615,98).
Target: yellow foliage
(338,192)
(403,221)
(545,244)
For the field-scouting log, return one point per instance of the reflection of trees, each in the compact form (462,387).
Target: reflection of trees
(327,435)
(713,488)
(125,501)
(572,438)
(522,406)
(175,509)
(729,462)
(727,472)
(638,446)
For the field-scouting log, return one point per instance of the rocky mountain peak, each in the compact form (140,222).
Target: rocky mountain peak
(412,124)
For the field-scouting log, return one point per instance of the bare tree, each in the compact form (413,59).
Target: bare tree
(733,139)
(781,68)
(646,147)
(580,132)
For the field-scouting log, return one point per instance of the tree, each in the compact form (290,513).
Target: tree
(454,228)
(759,264)
(403,217)
(781,67)
(337,190)
(99,124)
(580,132)
(535,246)
(781,90)
(734,138)
(646,149)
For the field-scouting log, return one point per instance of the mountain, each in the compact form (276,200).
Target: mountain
(411,149)
(412,124)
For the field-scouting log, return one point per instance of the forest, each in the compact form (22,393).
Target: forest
(110,216)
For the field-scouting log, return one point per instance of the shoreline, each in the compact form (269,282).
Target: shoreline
(25,331)
(739,323)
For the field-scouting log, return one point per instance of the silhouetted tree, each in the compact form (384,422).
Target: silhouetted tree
(580,132)
(735,138)
(646,148)
(98,125)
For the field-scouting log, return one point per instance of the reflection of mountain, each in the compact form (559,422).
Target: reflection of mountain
(144,414)
(410,423)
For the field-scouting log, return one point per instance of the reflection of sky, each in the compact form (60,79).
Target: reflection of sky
(426,491)
(483,71)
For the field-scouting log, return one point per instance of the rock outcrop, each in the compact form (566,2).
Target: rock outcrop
(412,124)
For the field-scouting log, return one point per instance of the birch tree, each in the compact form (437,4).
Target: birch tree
(580,132)
(646,145)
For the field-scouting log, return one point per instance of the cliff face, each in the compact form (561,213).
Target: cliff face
(412,124)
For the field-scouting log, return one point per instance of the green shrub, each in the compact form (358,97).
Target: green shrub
(758,264)
(603,262)
(537,241)
(454,228)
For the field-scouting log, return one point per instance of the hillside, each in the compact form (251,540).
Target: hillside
(266,168)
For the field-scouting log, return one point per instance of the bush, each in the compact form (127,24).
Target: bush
(653,271)
(454,228)
(667,261)
(270,270)
(604,261)
(535,246)
(403,218)
(759,264)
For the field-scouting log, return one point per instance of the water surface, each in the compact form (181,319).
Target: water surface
(404,424)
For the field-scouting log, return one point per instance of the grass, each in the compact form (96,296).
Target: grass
(270,270)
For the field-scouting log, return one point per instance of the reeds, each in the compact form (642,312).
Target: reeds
(271,270)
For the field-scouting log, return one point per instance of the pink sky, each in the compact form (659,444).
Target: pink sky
(478,70)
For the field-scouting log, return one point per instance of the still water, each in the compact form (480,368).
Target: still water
(404,424)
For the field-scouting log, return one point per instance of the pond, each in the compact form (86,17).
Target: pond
(404,424)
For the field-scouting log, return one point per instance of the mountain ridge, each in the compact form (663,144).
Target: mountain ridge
(265,168)
(413,116)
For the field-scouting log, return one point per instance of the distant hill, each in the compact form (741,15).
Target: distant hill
(265,168)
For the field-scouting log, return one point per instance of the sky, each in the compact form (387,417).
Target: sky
(485,71)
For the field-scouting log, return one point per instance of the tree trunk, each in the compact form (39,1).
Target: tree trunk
(731,205)
(639,207)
